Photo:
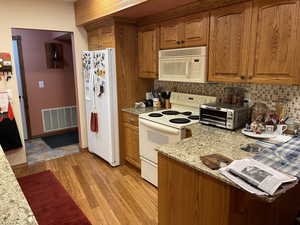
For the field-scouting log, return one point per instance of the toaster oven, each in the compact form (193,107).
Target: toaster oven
(224,115)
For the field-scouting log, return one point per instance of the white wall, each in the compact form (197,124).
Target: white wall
(45,15)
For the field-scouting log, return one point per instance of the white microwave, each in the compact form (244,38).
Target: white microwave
(184,64)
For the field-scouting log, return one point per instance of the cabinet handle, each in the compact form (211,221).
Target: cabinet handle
(178,42)
(242,77)
(182,42)
(130,120)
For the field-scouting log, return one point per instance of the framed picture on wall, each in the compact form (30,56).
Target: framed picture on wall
(54,55)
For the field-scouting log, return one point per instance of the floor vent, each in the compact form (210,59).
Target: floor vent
(59,118)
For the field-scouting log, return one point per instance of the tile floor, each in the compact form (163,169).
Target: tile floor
(38,151)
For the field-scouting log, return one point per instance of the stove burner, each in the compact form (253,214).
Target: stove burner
(194,117)
(186,113)
(170,112)
(179,120)
(155,115)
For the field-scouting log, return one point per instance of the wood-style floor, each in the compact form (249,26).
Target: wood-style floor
(106,195)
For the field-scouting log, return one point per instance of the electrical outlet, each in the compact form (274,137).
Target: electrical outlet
(248,98)
(41,84)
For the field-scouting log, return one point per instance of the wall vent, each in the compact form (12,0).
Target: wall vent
(59,118)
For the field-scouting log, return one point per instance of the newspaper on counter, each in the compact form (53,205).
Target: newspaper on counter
(258,178)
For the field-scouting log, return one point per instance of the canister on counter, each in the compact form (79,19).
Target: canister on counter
(156,103)
(228,95)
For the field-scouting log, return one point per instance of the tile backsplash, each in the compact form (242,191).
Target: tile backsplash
(268,94)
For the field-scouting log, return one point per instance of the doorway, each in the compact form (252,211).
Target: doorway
(18,60)
(46,82)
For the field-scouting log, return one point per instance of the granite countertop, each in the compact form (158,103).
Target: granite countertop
(208,140)
(140,110)
(14,208)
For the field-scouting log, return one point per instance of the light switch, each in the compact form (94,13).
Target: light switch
(41,84)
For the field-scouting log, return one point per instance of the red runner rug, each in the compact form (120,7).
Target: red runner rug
(50,202)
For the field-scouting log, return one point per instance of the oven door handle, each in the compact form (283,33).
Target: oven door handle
(159,127)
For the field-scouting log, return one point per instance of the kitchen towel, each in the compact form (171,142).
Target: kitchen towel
(283,157)
(94,122)
(94,115)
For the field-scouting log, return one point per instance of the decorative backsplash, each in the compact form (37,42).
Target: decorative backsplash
(268,94)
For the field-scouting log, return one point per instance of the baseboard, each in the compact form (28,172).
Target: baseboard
(84,149)
(54,133)
(19,166)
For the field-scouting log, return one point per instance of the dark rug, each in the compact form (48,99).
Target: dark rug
(49,201)
(60,140)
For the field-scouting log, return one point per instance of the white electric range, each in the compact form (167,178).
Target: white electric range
(166,127)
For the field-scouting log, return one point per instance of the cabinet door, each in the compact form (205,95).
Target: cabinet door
(229,43)
(148,51)
(196,30)
(171,34)
(107,37)
(93,40)
(275,42)
(131,144)
(175,206)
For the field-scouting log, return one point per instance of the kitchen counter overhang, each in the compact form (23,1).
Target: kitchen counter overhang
(14,208)
(191,193)
(208,140)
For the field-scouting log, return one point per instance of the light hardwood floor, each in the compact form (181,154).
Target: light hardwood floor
(106,195)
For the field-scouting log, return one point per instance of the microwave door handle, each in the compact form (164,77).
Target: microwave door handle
(187,69)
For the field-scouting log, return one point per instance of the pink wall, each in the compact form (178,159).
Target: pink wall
(59,87)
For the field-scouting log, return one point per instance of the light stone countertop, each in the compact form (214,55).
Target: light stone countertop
(14,208)
(140,110)
(208,140)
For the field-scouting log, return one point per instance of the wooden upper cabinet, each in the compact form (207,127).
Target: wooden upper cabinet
(101,38)
(195,30)
(171,34)
(87,11)
(187,31)
(93,40)
(107,39)
(229,38)
(275,42)
(148,45)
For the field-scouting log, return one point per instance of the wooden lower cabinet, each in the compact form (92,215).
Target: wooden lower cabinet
(187,196)
(130,140)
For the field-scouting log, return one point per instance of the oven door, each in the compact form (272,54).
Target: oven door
(213,117)
(152,135)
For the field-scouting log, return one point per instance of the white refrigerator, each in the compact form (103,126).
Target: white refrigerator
(99,70)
